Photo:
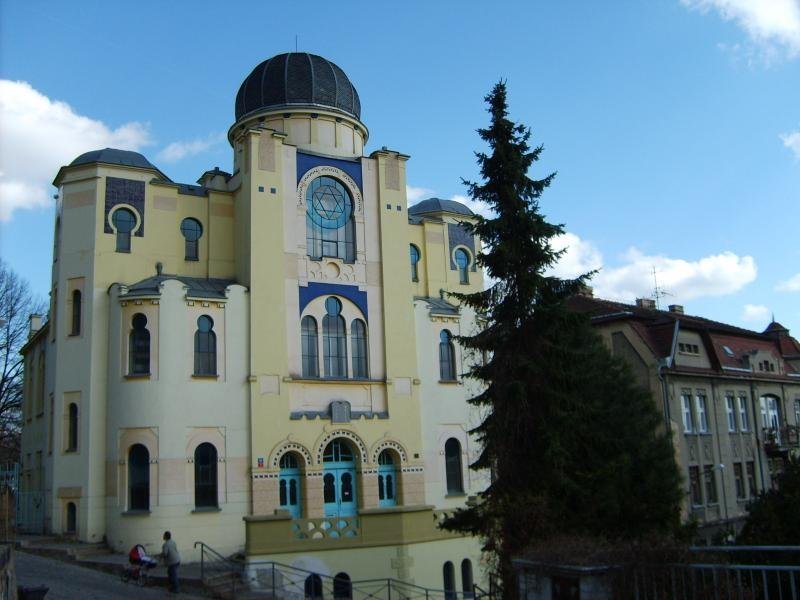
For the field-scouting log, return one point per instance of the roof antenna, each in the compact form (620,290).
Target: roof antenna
(658,292)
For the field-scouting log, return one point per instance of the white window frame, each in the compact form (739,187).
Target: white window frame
(688,416)
(731,411)
(744,417)
(701,406)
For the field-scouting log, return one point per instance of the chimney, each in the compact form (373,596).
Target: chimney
(646,303)
(35,322)
(676,308)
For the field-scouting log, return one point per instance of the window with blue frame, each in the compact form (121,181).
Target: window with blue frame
(447,356)
(462,262)
(414,256)
(387,479)
(289,484)
(330,229)
(334,338)
(358,340)
(308,335)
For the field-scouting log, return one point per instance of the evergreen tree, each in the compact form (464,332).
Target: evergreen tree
(571,441)
(773,518)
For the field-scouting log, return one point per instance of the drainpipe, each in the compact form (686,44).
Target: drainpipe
(666,363)
(719,447)
(759,445)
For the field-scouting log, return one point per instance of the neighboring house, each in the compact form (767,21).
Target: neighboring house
(263,361)
(729,396)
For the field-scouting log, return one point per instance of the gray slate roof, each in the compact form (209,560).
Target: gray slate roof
(439,306)
(197,287)
(435,205)
(112,156)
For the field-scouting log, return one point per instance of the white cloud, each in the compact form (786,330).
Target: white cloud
(39,135)
(179,150)
(773,26)
(581,256)
(792,141)
(790,285)
(755,313)
(714,275)
(415,194)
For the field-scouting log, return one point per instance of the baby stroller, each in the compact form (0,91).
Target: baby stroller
(140,565)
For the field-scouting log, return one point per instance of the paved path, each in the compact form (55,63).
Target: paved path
(69,581)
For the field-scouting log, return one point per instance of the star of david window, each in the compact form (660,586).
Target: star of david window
(330,231)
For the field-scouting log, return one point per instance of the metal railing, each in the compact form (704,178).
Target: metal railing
(270,580)
(781,438)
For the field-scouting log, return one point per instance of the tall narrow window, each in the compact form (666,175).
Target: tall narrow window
(452,466)
(72,518)
(711,484)
(462,262)
(289,484)
(744,419)
(308,333)
(688,421)
(702,414)
(449,580)
(414,252)
(205,476)
(342,587)
(731,413)
(138,478)
(358,341)
(797,412)
(334,339)
(124,221)
(205,347)
(192,230)
(387,479)
(72,427)
(447,356)
(750,466)
(330,230)
(76,313)
(738,475)
(695,491)
(466,578)
(139,346)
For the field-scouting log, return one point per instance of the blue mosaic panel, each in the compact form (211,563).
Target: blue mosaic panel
(460,237)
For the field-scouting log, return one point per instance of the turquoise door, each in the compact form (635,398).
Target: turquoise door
(339,480)
(289,485)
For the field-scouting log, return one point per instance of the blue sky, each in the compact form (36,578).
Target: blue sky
(674,125)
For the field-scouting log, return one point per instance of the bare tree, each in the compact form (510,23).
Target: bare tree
(17,303)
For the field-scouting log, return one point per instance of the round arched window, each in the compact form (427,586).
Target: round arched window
(329,203)
(124,220)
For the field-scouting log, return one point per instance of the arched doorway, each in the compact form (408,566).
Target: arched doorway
(289,484)
(339,480)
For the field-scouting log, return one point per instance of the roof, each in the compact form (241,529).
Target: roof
(297,79)
(196,287)
(436,205)
(439,306)
(113,156)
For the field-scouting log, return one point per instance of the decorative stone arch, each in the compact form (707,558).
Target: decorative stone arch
(283,447)
(147,437)
(136,213)
(328,437)
(382,445)
(336,173)
(212,435)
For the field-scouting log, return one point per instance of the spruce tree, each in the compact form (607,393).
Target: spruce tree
(573,445)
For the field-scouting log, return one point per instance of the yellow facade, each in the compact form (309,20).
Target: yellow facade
(283,379)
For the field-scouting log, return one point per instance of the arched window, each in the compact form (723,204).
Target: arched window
(308,327)
(452,466)
(466,578)
(342,587)
(205,476)
(449,579)
(334,339)
(387,479)
(358,341)
(313,587)
(124,221)
(139,346)
(462,262)
(76,313)
(138,478)
(414,255)
(72,518)
(192,230)
(72,428)
(289,484)
(330,230)
(447,357)
(205,347)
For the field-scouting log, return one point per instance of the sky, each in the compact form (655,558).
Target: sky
(673,125)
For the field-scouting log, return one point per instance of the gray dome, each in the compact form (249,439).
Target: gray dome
(297,79)
(112,156)
(435,205)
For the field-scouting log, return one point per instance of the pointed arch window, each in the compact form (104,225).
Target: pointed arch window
(330,230)
(308,333)
(358,340)
(447,356)
(139,346)
(334,339)
(414,256)
(76,312)
(138,478)
(205,476)
(452,466)
(205,347)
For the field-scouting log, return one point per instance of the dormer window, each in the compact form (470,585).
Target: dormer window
(684,348)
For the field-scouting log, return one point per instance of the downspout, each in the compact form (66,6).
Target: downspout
(759,445)
(667,363)
(719,447)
